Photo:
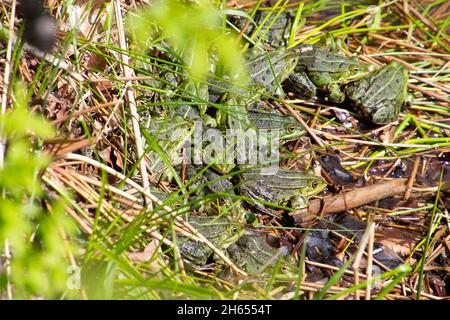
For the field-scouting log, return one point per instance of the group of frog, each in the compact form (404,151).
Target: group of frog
(306,71)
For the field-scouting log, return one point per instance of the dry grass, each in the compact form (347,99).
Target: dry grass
(98,149)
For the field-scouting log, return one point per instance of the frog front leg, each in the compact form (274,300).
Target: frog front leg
(299,202)
(300,84)
(335,93)
(329,85)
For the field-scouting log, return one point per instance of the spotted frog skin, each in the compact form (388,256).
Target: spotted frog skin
(219,230)
(283,187)
(258,120)
(270,120)
(252,253)
(380,96)
(276,29)
(266,71)
(327,71)
(269,70)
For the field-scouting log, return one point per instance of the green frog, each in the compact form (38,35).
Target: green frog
(269,70)
(218,229)
(247,248)
(327,70)
(276,29)
(168,136)
(288,127)
(380,96)
(209,183)
(247,127)
(252,253)
(266,71)
(281,188)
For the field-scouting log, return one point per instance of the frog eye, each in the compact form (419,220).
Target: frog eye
(234,230)
(290,128)
(284,269)
(314,184)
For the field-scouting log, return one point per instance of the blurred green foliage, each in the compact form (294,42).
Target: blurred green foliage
(31,223)
(195,31)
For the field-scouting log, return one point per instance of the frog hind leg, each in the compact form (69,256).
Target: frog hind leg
(253,200)
(335,93)
(385,112)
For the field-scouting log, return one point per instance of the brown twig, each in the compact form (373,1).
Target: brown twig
(304,125)
(128,72)
(86,111)
(370,229)
(403,44)
(429,93)
(352,199)
(411,179)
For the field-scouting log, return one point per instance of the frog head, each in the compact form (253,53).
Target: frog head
(329,70)
(232,234)
(218,229)
(292,131)
(355,70)
(380,96)
(314,187)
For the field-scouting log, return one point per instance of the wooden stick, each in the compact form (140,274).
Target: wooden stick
(352,199)
(130,98)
